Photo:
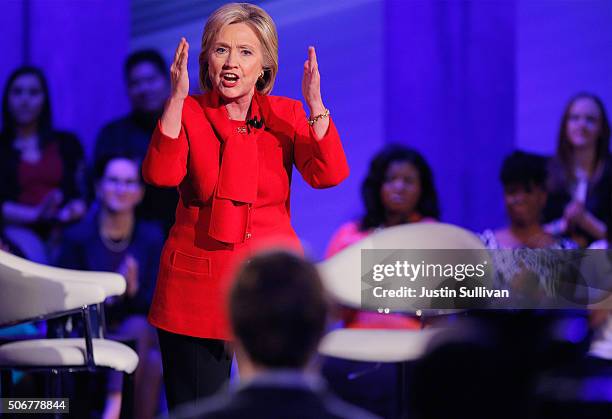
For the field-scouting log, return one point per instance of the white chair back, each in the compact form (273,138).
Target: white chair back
(29,290)
(342,272)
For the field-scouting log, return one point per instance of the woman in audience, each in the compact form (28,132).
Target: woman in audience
(523,176)
(580,172)
(39,166)
(110,238)
(398,189)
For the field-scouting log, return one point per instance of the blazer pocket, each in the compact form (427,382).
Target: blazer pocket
(190,263)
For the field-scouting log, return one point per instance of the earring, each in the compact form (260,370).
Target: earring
(261,76)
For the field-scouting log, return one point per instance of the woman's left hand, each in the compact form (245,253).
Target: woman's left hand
(311,84)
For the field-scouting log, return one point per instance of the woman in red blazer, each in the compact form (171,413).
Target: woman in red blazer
(230,152)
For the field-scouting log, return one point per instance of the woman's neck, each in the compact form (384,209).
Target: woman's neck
(521,231)
(584,159)
(396,218)
(238,109)
(27,131)
(530,235)
(116,225)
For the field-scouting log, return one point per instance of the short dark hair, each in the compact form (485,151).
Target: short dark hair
(145,56)
(102,162)
(375,214)
(524,169)
(278,309)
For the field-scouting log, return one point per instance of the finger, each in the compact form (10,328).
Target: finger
(306,66)
(183,58)
(178,50)
(312,57)
(185,55)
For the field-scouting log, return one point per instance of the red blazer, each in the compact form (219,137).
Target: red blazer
(195,269)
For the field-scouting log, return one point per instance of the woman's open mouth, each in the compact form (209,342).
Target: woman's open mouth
(229,79)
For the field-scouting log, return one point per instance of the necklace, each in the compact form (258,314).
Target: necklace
(116,246)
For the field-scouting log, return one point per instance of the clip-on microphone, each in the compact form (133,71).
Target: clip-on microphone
(255,123)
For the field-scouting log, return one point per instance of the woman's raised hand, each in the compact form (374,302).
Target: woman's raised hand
(311,83)
(311,89)
(179,78)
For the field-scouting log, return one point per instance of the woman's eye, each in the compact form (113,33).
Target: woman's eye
(246,52)
(220,50)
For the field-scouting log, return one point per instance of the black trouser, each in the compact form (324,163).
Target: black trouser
(194,368)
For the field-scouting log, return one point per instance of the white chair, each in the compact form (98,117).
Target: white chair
(31,291)
(342,272)
(341,275)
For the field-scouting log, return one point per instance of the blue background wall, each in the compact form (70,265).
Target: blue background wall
(465,82)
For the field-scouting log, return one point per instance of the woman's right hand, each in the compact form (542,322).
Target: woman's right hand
(179,77)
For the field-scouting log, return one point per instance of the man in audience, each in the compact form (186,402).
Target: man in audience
(148,87)
(278,312)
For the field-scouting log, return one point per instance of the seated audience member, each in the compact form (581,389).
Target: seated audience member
(523,176)
(581,172)
(112,238)
(278,312)
(398,189)
(40,168)
(146,76)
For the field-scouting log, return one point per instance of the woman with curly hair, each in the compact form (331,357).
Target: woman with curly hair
(398,189)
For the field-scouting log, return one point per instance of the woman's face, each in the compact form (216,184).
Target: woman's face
(401,189)
(26,99)
(524,207)
(235,62)
(583,123)
(120,189)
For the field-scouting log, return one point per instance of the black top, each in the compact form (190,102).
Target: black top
(598,199)
(273,402)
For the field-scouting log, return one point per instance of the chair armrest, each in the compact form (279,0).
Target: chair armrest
(111,282)
(27,297)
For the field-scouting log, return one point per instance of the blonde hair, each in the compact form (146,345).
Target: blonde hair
(260,22)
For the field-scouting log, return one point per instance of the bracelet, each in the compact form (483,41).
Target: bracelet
(313,119)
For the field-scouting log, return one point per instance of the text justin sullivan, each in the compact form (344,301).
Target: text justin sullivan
(445,292)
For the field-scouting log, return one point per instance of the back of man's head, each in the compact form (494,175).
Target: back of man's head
(278,310)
